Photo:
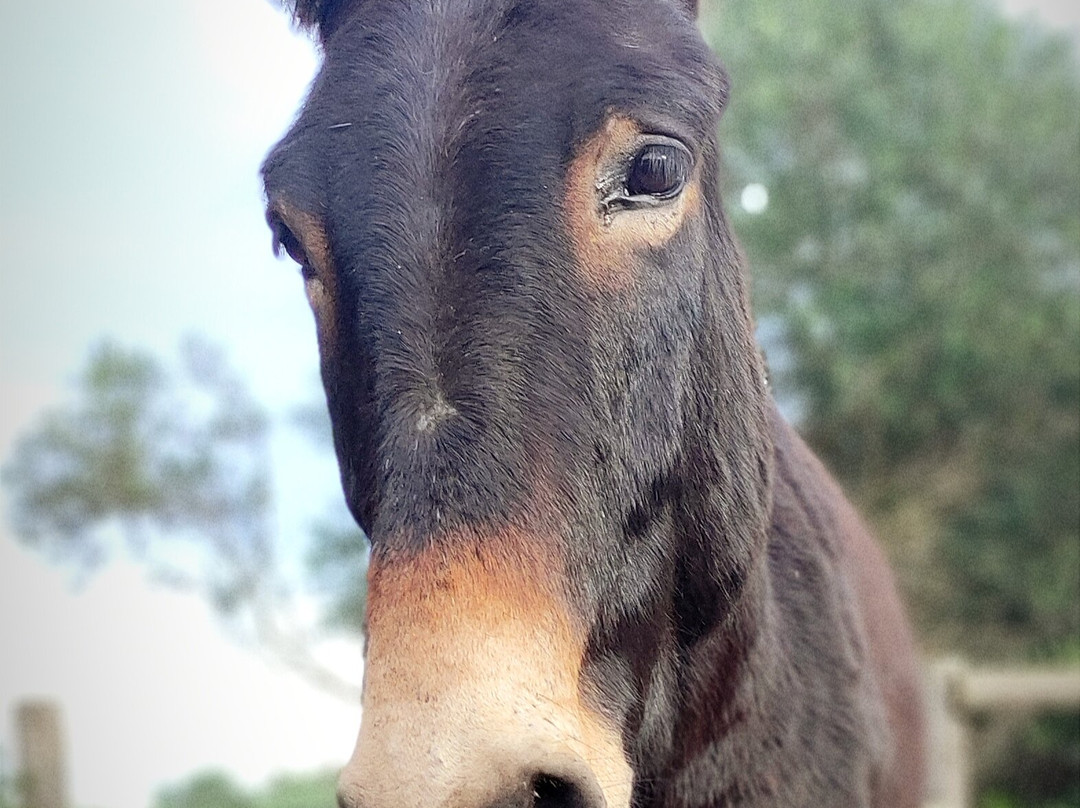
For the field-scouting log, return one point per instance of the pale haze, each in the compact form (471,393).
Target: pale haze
(130,207)
(130,138)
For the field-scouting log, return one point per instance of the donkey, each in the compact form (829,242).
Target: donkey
(604,571)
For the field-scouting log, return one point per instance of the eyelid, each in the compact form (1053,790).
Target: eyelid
(622,158)
(285,240)
(660,139)
(611,183)
(276,223)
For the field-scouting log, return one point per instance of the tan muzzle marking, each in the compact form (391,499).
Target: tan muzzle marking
(472,681)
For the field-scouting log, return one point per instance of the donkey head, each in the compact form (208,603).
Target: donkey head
(547,405)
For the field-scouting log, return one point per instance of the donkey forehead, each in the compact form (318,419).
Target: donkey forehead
(422,87)
(436,149)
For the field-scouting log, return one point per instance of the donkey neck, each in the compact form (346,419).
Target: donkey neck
(780,678)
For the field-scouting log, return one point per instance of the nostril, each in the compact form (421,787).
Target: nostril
(347,798)
(549,791)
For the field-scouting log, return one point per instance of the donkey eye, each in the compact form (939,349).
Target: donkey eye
(659,170)
(288,241)
(285,239)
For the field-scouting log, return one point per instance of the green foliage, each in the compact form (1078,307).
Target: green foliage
(338,557)
(917,276)
(217,790)
(151,453)
(920,260)
(337,562)
(7,787)
(1035,757)
(172,459)
(300,791)
(209,790)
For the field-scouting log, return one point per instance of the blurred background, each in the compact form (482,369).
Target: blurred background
(180,586)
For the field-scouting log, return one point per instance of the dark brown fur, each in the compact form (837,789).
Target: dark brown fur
(488,334)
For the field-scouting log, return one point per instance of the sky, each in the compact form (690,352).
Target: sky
(130,207)
(130,139)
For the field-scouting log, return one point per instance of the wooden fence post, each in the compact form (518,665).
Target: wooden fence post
(948,767)
(955,693)
(43,772)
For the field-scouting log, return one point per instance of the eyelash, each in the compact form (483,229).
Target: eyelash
(618,189)
(285,240)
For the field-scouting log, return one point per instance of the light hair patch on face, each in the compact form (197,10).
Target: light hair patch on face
(606,243)
(320,280)
(472,680)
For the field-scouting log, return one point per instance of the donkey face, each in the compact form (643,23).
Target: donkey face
(527,305)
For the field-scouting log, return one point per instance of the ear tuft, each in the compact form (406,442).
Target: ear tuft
(691,7)
(320,16)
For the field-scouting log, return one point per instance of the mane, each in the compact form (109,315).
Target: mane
(323,16)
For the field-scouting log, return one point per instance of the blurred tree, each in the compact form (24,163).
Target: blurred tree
(316,790)
(337,552)
(217,790)
(7,798)
(917,279)
(1036,761)
(208,790)
(173,462)
(917,276)
(145,453)
(338,549)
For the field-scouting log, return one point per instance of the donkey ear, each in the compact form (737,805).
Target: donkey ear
(319,16)
(690,6)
